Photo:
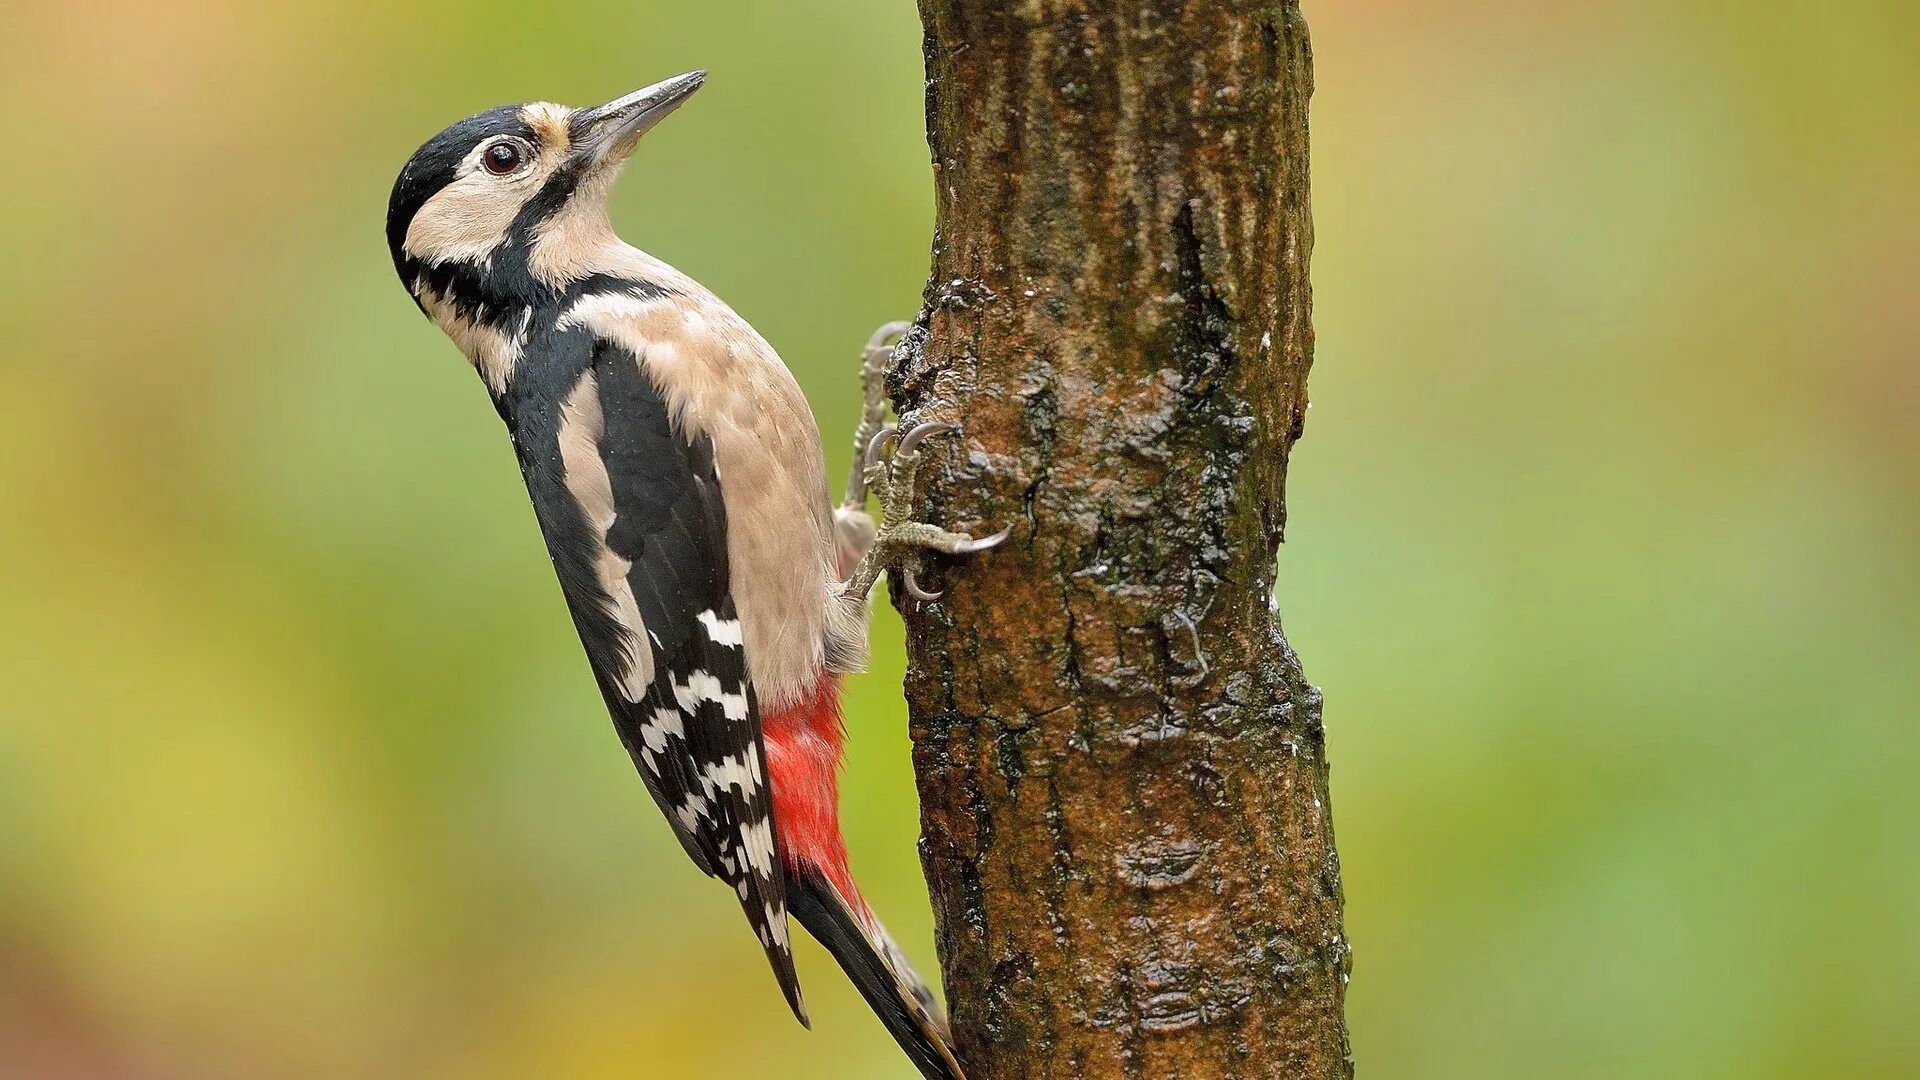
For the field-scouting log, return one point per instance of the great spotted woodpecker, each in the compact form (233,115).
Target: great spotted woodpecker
(676,472)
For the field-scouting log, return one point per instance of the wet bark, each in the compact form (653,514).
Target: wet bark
(1122,769)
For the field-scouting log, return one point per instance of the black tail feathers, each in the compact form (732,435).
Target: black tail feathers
(893,990)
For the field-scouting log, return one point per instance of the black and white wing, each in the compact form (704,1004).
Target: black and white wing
(634,520)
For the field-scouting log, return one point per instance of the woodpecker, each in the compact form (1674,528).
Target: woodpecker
(676,472)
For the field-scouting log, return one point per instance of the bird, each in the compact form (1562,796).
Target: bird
(677,476)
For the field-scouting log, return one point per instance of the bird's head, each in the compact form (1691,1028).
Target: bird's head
(504,208)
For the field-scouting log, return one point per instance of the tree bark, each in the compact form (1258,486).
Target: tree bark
(1121,767)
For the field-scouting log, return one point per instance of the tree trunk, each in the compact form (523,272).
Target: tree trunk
(1122,772)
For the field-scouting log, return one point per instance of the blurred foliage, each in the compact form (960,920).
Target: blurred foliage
(1603,541)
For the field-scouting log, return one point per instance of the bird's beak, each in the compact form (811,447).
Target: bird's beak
(610,132)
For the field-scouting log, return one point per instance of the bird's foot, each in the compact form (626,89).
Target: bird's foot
(854,530)
(901,540)
(873,404)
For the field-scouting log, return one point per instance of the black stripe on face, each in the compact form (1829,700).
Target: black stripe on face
(507,281)
(548,201)
(493,294)
(500,292)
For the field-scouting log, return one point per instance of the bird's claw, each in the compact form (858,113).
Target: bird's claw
(982,543)
(910,445)
(884,333)
(873,406)
(901,537)
(952,544)
(876,448)
(921,432)
(877,474)
(913,587)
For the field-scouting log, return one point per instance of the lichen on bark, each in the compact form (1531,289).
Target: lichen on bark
(1122,769)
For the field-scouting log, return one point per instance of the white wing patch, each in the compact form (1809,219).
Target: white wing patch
(597,307)
(585,475)
(741,772)
(662,723)
(722,631)
(700,687)
(692,812)
(758,838)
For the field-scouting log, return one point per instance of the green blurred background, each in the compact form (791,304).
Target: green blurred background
(1603,541)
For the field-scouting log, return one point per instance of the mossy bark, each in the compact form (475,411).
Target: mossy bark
(1122,769)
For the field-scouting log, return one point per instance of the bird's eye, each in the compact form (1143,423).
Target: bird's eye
(503,157)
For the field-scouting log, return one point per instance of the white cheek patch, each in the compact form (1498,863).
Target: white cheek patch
(469,218)
(466,220)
